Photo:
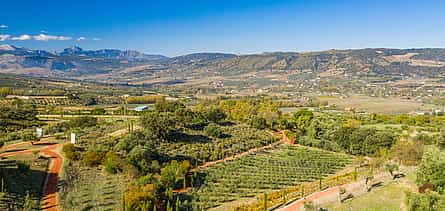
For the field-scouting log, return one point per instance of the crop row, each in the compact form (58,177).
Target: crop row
(280,168)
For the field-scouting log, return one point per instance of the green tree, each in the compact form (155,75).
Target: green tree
(157,125)
(213,130)
(430,201)
(432,169)
(93,157)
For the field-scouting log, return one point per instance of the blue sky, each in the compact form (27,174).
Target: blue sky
(173,27)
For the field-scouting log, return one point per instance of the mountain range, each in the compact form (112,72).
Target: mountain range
(126,66)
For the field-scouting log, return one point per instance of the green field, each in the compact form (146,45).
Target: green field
(195,145)
(275,169)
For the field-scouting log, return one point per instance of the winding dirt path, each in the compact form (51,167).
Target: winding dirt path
(50,186)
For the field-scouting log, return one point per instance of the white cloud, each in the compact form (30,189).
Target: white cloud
(96,39)
(3,26)
(4,37)
(21,37)
(43,31)
(44,37)
(81,38)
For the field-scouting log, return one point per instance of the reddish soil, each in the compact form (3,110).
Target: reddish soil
(12,146)
(300,203)
(50,187)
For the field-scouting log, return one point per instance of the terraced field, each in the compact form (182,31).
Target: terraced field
(275,169)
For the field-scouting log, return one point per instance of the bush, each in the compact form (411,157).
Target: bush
(93,158)
(29,137)
(112,162)
(426,201)
(213,130)
(71,152)
(258,122)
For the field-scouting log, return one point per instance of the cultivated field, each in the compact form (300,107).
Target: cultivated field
(275,169)
(378,104)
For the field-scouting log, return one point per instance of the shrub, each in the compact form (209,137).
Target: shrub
(112,162)
(71,152)
(213,130)
(139,198)
(93,158)
(258,122)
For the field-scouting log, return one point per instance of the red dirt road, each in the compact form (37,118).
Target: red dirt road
(300,203)
(50,186)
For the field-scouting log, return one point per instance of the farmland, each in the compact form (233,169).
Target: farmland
(279,168)
(186,153)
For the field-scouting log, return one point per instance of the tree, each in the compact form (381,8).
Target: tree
(157,125)
(71,152)
(112,162)
(441,139)
(303,118)
(140,157)
(5,91)
(269,111)
(430,201)
(173,173)
(168,106)
(432,169)
(213,114)
(258,122)
(93,158)
(407,151)
(213,130)
(140,198)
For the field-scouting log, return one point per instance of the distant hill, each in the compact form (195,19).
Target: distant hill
(111,65)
